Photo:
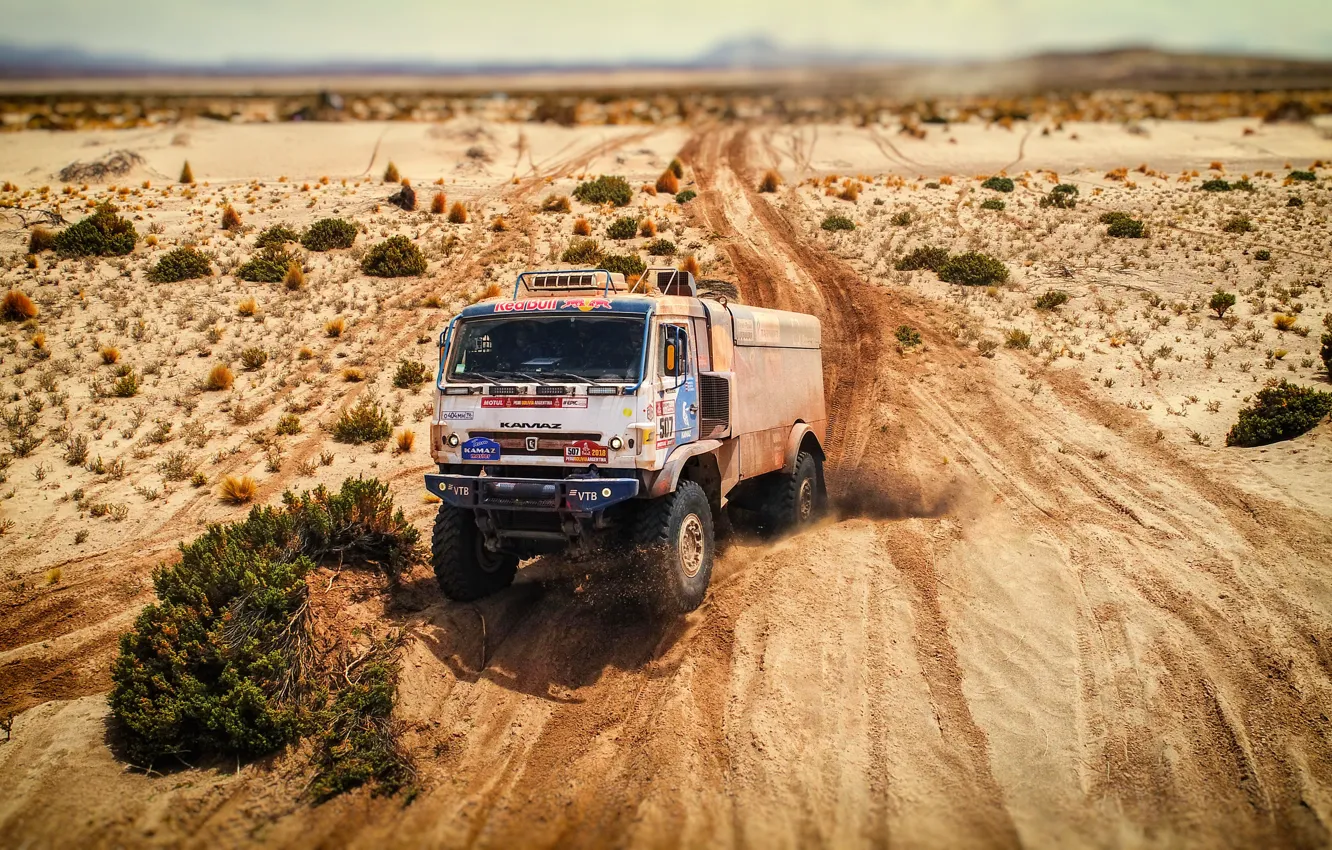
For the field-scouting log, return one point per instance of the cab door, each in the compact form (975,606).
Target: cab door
(677,402)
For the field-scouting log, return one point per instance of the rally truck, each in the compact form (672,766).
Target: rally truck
(581,412)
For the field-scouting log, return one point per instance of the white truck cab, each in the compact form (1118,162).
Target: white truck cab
(582,406)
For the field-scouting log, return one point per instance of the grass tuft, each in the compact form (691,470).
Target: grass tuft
(219,377)
(17,307)
(238,490)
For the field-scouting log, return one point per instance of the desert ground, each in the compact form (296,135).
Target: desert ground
(1050,608)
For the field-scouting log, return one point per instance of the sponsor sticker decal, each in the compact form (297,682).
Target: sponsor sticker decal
(480,448)
(455,415)
(586,451)
(585,305)
(509,401)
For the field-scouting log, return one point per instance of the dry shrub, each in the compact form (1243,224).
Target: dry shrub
(295,278)
(335,327)
(406,439)
(186,173)
(676,168)
(391,173)
(247,307)
(1284,321)
(110,354)
(668,183)
(771,180)
(38,341)
(41,239)
(17,307)
(648,228)
(458,213)
(499,225)
(305,353)
(690,265)
(850,192)
(353,375)
(219,378)
(238,491)
(231,219)
(438,204)
(555,204)
(581,227)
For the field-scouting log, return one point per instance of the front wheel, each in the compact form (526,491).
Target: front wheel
(465,569)
(676,537)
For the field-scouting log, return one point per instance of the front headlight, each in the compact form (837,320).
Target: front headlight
(453,440)
(615,443)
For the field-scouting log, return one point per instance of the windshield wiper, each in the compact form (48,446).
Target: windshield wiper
(488,380)
(525,376)
(575,377)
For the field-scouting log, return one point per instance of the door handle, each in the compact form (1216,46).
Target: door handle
(693,409)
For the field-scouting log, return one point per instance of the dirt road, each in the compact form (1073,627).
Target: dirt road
(1033,623)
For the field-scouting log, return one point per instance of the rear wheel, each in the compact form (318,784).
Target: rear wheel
(795,499)
(465,569)
(675,536)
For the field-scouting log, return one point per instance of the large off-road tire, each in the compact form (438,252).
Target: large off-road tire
(794,500)
(674,536)
(465,569)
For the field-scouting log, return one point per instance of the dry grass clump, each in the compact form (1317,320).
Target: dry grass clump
(247,307)
(690,265)
(219,378)
(582,227)
(231,219)
(41,239)
(17,307)
(457,213)
(648,228)
(353,375)
(555,204)
(110,354)
(295,278)
(391,174)
(186,173)
(405,440)
(499,225)
(439,203)
(238,490)
(1284,321)
(668,183)
(335,327)
(771,180)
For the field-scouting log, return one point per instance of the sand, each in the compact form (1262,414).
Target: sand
(1052,609)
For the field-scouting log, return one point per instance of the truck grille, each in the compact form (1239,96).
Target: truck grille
(714,399)
(548,444)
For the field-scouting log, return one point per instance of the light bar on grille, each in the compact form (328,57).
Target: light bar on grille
(461,390)
(600,390)
(552,389)
(501,389)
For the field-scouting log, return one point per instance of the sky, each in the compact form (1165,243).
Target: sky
(567,31)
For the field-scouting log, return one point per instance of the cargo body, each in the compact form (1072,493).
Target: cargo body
(579,408)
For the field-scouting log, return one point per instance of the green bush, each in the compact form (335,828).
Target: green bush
(102,234)
(605,190)
(1262,255)
(908,336)
(624,227)
(1244,186)
(410,375)
(276,236)
(221,663)
(993,204)
(1062,196)
(329,233)
(1017,338)
(1123,226)
(973,269)
(1221,302)
(253,358)
(1326,352)
(685,196)
(1238,224)
(838,222)
(1302,176)
(268,266)
(625,264)
(126,386)
(367,422)
(1052,299)
(660,248)
(1281,411)
(178,264)
(582,252)
(1215,185)
(904,218)
(928,257)
(1295,201)
(998,184)
(396,256)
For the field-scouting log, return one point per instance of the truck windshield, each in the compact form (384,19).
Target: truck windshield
(588,349)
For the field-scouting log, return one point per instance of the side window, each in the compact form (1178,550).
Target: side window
(701,344)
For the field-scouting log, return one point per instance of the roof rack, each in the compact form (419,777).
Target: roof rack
(668,281)
(565,280)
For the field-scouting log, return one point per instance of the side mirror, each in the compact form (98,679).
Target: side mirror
(670,359)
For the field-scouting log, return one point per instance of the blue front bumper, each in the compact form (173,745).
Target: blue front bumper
(572,495)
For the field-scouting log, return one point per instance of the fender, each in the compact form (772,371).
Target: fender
(798,432)
(669,475)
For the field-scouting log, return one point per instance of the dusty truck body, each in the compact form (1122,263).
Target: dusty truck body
(580,408)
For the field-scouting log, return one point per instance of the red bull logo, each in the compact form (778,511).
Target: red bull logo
(585,305)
